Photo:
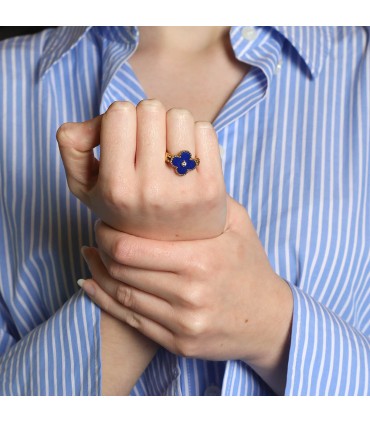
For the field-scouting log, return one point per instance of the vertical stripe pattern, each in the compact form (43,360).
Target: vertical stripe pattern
(295,136)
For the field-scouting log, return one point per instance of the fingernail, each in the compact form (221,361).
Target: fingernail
(80,282)
(89,289)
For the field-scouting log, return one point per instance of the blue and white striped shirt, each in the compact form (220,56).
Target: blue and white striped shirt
(295,136)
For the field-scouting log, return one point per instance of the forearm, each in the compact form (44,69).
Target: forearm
(125,355)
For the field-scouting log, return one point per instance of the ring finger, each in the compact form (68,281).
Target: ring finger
(180,131)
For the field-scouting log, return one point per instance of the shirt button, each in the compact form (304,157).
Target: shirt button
(249,33)
(278,66)
(212,390)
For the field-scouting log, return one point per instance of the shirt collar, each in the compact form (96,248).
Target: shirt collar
(312,43)
(58,42)
(62,40)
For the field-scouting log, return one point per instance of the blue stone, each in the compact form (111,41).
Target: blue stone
(191,164)
(183,163)
(182,170)
(185,155)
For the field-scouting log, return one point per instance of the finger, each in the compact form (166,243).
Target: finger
(143,253)
(151,137)
(208,150)
(147,327)
(160,284)
(141,302)
(180,131)
(76,143)
(118,144)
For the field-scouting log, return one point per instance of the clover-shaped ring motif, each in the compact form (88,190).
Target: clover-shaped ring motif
(182,162)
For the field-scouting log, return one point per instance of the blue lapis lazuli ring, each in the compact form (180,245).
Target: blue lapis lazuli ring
(182,162)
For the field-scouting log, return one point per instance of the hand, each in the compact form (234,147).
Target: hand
(132,189)
(215,299)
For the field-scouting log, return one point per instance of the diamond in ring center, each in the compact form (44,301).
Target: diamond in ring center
(183,164)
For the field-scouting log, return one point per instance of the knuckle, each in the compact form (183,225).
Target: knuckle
(125,296)
(117,110)
(186,347)
(114,196)
(118,249)
(151,104)
(113,269)
(63,134)
(188,199)
(178,113)
(152,197)
(213,195)
(199,266)
(111,194)
(122,250)
(203,124)
(133,320)
(193,325)
(120,106)
(192,297)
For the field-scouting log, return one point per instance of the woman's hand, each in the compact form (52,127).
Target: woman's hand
(132,189)
(214,299)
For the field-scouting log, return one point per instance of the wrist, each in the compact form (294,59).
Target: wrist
(271,362)
(125,354)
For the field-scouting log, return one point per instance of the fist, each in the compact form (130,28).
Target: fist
(132,188)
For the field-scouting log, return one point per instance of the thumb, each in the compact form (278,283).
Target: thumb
(76,143)
(237,217)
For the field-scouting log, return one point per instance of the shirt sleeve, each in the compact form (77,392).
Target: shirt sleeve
(61,356)
(327,355)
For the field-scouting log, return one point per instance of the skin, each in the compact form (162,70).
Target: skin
(178,260)
(193,68)
(126,189)
(133,179)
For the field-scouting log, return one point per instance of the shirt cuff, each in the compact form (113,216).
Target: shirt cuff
(327,355)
